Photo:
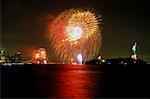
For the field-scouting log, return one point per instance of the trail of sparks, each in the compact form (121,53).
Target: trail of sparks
(75,31)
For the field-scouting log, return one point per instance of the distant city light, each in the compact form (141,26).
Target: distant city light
(2,51)
(7,64)
(99,57)
(79,58)
(103,60)
(45,62)
(134,56)
(37,55)
(42,52)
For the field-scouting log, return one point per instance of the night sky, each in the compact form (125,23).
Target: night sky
(23,24)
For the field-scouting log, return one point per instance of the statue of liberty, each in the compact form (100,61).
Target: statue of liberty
(134,47)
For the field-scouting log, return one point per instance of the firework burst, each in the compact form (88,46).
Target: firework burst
(75,31)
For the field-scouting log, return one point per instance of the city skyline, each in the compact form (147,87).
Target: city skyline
(23,25)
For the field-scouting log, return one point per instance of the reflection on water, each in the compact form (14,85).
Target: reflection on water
(72,82)
(76,83)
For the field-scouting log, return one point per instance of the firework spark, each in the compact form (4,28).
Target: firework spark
(75,31)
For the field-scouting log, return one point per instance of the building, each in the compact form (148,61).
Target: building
(40,56)
(2,57)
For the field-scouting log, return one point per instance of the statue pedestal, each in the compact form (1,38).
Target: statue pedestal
(134,56)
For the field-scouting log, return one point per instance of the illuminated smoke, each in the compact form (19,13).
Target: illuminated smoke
(75,31)
(79,58)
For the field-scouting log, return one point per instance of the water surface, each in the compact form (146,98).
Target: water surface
(74,81)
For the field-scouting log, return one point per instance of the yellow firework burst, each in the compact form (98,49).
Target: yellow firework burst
(75,31)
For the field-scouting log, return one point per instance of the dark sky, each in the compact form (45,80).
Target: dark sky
(23,24)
